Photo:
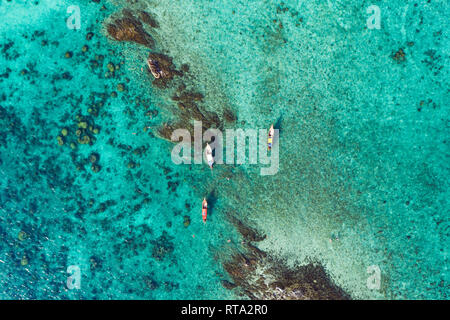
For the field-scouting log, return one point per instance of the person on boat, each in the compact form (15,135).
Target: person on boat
(204,209)
(209,155)
(270,138)
(154,68)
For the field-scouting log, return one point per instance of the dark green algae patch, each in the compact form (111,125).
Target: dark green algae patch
(54,156)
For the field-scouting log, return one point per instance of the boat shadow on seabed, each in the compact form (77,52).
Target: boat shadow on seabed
(211,198)
(277,125)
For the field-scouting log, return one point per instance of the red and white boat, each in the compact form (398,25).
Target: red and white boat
(204,210)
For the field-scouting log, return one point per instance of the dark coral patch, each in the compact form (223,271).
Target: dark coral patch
(129,29)
(399,56)
(162,246)
(147,18)
(258,275)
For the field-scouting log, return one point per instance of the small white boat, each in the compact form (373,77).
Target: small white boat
(209,155)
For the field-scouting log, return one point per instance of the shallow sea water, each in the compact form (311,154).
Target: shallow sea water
(363,176)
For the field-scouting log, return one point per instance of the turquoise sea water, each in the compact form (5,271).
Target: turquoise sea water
(364,151)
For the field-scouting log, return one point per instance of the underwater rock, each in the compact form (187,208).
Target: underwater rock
(185,67)
(188,97)
(172,185)
(247,233)
(94,262)
(166,130)
(154,68)
(129,29)
(162,68)
(24,261)
(228,285)
(110,67)
(399,56)
(258,253)
(66,76)
(189,109)
(93,111)
(169,285)
(260,276)
(120,87)
(84,49)
(60,140)
(22,235)
(85,139)
(235,268)
(94,157)
(148,19)
(83,124)
(140,151)
(95,168)
(102,207)
(186,221)
(150,283)
(93,64)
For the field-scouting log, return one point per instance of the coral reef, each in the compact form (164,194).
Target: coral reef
(165,131)
(258,275)
(162,246)
(147,18)
(229,115)
(154,68)
(247,233)
(24,261)
(189,109)
(186,221)
(150,283)
(162,68)
(94,157)
(399,56)
(129,29)
(22,235)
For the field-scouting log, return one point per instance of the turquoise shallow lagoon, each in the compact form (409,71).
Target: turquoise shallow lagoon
(363,175)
